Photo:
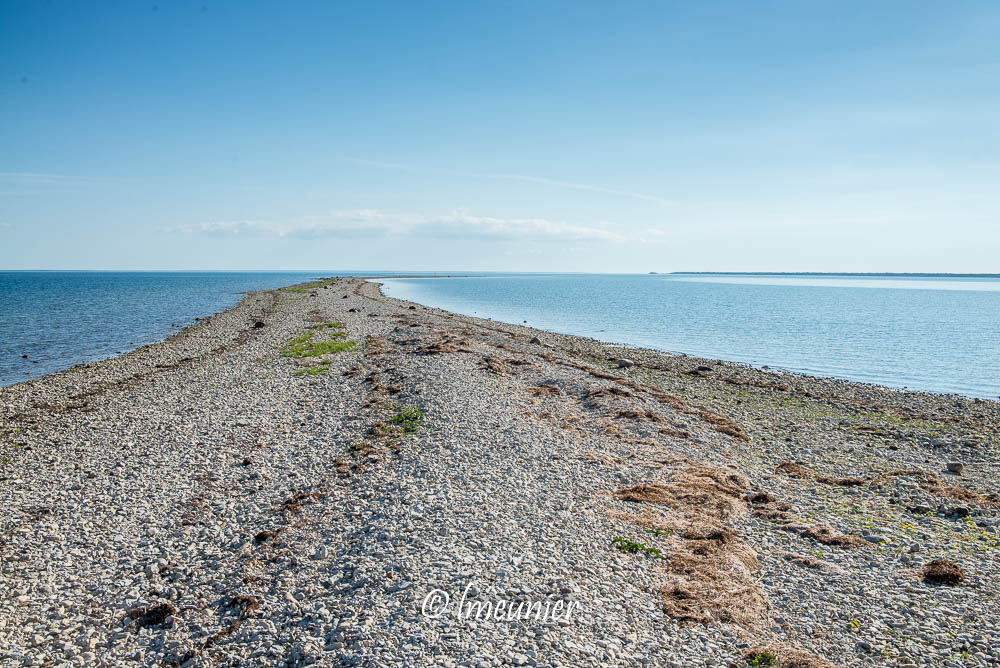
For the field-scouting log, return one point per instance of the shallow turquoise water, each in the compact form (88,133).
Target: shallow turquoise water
(934,333)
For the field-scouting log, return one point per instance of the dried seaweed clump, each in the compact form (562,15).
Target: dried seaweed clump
(767,507)
(710,571)
(493,365)
(546,390)
(931,483)
(795,470)
(943,571)
(803,472)
(446,344)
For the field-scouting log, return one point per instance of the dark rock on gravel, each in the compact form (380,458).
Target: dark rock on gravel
(153,615)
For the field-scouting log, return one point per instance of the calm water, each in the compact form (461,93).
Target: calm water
(940,334)
(63,318)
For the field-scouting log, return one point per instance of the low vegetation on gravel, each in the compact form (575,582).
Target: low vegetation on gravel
(306,344)
(310,287)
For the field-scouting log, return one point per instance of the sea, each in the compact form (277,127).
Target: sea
(59,319)
(937,333)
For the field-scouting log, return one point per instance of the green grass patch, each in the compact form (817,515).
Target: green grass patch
(309,287)
(390,432)
(316,370)
(761,659)
(632,547)
(306,345)
(408,419)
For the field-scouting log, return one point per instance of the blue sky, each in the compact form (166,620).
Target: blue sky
(554,136)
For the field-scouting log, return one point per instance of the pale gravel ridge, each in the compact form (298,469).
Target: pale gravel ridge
(146,478)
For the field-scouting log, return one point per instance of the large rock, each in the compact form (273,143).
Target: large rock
(625,363)
(956,467)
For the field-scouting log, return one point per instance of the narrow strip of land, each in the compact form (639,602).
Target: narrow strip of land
(287,482)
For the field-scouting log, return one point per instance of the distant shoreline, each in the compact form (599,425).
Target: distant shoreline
(492,274)
(820,273)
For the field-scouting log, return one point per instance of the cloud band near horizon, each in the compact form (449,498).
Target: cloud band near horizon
(369,223)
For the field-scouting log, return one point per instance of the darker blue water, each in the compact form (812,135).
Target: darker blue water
(63,318)
(933,333)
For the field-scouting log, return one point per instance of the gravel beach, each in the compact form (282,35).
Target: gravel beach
(326,476)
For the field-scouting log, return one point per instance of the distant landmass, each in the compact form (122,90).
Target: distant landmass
(823,273)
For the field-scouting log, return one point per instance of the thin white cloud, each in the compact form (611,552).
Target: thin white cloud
(368,223)
(39,179)
(578,186)
(32,178)
(4,226)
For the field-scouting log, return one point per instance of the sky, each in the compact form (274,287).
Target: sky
(501,136)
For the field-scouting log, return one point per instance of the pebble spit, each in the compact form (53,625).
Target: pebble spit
(210,501)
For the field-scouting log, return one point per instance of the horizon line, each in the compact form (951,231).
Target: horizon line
(500,271)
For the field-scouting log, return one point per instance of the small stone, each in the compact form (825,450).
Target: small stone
(956,467)
(519,659)
(535,339)
(258,325)
(625,363)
